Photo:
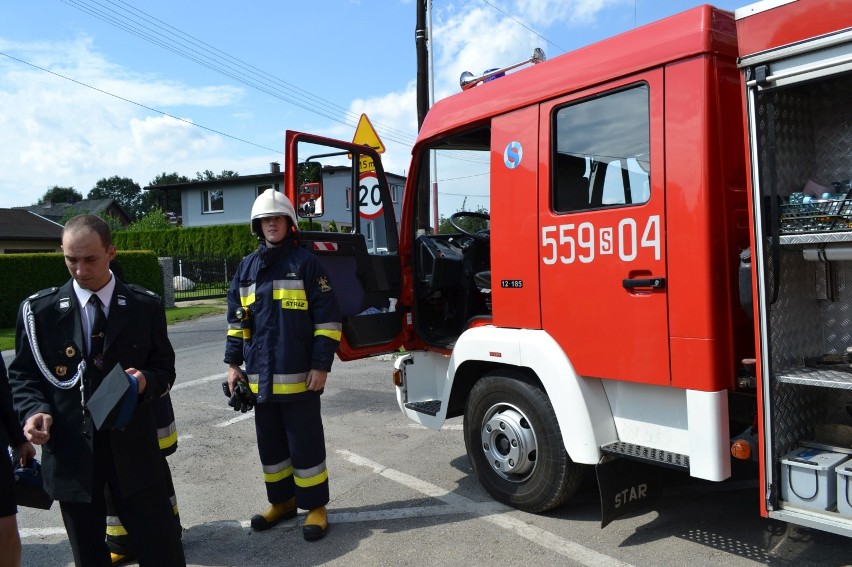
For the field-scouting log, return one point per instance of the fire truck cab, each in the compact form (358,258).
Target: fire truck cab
(598,300)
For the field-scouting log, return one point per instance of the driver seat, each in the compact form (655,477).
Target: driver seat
(482,281)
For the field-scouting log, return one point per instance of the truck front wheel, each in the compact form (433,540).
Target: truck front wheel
(514,443)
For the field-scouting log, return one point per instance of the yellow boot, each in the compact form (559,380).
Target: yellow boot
(316,524)
(274,514)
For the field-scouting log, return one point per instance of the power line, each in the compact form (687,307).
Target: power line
(465,176)
(466,196)
(139,104)
(160,33)
(154,30)
(522,24)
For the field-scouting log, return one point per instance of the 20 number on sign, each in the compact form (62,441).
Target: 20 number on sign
(369,196)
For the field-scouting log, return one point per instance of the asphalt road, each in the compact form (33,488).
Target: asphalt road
(404,495)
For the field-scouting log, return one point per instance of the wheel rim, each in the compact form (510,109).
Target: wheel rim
(509,442)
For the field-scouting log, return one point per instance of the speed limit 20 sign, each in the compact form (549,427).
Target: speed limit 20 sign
(369,196)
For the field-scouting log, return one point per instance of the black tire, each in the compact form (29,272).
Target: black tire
(514,443)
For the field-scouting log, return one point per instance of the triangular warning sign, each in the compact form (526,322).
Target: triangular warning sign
(365,135)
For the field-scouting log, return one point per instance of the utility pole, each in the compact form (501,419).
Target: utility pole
(421,39)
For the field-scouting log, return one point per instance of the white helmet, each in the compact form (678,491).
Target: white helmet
(271,203)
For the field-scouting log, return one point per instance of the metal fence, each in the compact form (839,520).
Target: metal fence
(202,278)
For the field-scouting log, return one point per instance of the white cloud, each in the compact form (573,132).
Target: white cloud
(467,36)
(472,36)
(549,12)
(63,133)
(394,116)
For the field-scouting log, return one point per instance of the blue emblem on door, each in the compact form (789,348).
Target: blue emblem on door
(513,154)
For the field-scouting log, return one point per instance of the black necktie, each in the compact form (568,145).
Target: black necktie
(96,350)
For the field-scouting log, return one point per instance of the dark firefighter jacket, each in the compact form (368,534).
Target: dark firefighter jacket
(290,322)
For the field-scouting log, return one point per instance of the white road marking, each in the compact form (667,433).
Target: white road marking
(237,419)
(544,538)
(183,385)
(390,514)
(41,532)
(445,427)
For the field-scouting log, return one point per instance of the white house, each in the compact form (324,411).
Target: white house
(229,200)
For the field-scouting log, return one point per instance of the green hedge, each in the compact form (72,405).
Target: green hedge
(21,275)
(225,241)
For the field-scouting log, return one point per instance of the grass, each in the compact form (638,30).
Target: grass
(173,315)
(7,339)
(188,313)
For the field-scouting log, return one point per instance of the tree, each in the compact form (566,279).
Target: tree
(468,223)
(114,224)
(208,175)
(57,194)
(156,219)
(332,226)
(163,199)
(124,190)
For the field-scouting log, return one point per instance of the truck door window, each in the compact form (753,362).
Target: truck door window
(601,152)
(452,260)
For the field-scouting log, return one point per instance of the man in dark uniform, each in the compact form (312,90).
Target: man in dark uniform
(284,323)
(61,357)
(10,433)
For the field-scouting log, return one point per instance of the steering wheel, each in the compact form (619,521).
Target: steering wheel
(482,236)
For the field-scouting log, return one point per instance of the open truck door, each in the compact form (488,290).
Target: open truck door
(347,181)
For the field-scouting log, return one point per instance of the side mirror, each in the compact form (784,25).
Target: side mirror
(309,195)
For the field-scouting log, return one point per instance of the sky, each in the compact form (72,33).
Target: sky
(91,89)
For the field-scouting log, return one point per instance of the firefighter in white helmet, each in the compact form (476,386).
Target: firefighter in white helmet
(284,324)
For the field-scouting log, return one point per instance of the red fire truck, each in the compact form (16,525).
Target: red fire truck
(663,274)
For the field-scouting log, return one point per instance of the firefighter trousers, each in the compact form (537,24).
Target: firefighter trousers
(117,538)
(291,444)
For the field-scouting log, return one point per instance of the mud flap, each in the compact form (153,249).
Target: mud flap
(625,485)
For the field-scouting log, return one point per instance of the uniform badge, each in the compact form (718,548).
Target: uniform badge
(64,303)
(99,361)
(122,300)
(70,351)
(60,371)
(323,284)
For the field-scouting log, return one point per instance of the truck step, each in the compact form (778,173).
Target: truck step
(429,407)
(647,455)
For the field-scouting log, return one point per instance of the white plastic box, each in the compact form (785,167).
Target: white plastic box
(844,488)
(808,478)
